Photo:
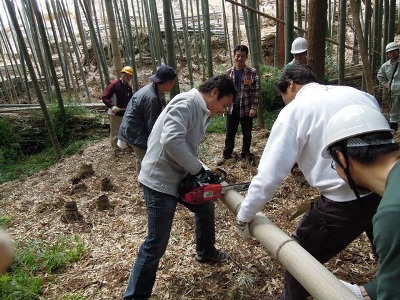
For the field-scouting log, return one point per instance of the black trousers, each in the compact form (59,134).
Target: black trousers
(326,229)
(232,124)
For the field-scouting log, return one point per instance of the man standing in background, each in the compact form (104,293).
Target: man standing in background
(116,97)
(244,107)
(143,110)
(389,76)
(299,51)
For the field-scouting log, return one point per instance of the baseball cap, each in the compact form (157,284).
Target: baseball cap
(164,73)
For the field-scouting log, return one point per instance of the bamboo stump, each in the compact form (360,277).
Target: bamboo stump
(71,213)
(102,203)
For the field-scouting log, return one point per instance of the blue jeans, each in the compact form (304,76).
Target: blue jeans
(160,213)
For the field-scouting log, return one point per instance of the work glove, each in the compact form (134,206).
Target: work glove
(242,228)
(115,109)
(355,289)
(208,176)
(201,176)
(190,182)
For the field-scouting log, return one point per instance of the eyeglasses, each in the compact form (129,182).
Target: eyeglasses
(333,165)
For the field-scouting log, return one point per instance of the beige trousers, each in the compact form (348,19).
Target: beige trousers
(115,122)
(140,153)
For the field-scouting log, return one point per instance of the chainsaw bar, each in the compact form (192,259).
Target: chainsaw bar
(239,187)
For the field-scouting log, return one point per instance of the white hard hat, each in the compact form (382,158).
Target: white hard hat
(299,45)
(392,46)
(353,120)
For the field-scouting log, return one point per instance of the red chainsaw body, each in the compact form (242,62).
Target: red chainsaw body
(204,193)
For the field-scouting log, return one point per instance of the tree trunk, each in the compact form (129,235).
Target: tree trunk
(316,44)
(207,37)
(363,50)
(289,14)
(169,41)
(113,37)
(342,40)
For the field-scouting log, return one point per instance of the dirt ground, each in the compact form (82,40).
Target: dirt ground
(113,235)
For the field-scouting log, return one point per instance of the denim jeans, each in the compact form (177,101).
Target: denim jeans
(160,213)
(232,124)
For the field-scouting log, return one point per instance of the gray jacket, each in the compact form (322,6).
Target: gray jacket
(140,115)
(385,74)
(173,142)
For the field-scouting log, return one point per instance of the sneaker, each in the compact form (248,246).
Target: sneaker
(217,256)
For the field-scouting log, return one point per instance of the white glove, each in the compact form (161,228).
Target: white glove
(115,109)
(242,229)
(121,144)
(354,289)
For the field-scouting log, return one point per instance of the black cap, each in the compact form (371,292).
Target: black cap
(164,73)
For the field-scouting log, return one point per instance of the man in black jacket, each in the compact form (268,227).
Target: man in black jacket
(143,110)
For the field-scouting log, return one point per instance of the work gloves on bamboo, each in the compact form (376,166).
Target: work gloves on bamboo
(355,289)
(242,228)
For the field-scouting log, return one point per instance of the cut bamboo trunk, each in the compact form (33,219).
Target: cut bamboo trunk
(312,275)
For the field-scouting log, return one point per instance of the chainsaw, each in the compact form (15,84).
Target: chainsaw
(198,192)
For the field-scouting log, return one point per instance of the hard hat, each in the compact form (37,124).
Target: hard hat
(353,120)
(392,46)
(127,70)
(299,45)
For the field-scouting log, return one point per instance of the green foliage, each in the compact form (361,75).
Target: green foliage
(217,125)
(25,147)
(19,286)
(68,130)
(4,221)
(268,77)
(34,258)
(331,65)
(270,117)
(9,142)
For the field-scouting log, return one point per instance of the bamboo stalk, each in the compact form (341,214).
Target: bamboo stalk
(311,274)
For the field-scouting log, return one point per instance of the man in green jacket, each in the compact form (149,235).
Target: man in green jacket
(360,141)
(389,76)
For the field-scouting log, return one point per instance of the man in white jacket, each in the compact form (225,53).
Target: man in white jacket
(337,217)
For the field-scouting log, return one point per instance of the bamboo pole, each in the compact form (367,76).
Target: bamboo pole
(311,274)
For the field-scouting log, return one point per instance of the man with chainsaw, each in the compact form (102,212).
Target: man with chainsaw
(389,76)
(171,155)
(337,217)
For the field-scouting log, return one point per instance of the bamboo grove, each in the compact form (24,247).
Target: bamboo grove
(47,47)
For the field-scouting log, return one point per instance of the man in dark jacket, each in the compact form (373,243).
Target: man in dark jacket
(143,110)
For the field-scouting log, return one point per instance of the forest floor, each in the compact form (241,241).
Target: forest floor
(112,236)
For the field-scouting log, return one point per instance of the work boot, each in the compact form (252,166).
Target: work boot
(223,160)
(394,126)
(216,256)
